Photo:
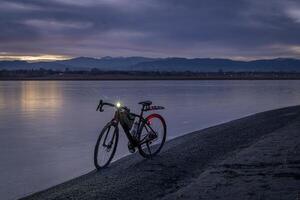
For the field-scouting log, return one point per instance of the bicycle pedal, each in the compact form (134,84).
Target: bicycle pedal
(131,148)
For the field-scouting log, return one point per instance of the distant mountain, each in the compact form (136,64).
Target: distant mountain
(160,64)
(15,64)
(105,63)
(214,65)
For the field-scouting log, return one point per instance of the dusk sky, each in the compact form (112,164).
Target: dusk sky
(237,29)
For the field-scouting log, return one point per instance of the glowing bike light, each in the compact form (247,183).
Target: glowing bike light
(118,104)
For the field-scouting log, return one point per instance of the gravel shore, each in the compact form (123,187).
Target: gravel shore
(256,157)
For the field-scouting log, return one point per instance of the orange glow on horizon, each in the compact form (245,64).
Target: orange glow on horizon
(33,58)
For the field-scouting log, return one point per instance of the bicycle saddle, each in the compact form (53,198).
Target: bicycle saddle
(145,103)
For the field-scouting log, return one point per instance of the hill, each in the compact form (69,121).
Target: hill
(160,64)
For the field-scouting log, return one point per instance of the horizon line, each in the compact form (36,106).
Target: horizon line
(54,58)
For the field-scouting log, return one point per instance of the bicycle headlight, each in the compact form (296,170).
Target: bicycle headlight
(118,104)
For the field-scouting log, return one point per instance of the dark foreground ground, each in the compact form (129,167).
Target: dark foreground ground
(257,157)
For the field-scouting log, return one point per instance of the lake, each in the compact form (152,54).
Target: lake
(48,129)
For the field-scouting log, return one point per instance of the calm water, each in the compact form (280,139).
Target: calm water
(48,129)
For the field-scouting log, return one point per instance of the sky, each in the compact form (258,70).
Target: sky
(237,29)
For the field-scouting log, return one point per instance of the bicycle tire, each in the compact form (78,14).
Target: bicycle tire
(142,149)
(114,138)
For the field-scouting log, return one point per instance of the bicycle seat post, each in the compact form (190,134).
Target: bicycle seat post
(144,104)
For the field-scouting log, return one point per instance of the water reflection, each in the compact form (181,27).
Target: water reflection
(2,104)
(40,96)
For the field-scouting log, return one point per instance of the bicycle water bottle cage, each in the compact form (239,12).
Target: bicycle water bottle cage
(126,118)
(148,108)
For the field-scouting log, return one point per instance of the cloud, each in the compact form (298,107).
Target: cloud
(294,13)
(191,28)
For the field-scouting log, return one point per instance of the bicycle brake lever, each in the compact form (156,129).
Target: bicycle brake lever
(99,107)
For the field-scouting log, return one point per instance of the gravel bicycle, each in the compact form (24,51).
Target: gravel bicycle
(147,134)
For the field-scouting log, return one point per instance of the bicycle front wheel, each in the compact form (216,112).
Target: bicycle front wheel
(152,135)
(106,145)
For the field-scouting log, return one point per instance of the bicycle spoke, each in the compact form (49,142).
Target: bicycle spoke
(148,147)
(106,136)
(144,138)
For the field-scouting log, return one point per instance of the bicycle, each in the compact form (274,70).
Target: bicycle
(147,134)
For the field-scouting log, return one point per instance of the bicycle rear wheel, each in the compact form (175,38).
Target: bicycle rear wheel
(152,135)
(106,145)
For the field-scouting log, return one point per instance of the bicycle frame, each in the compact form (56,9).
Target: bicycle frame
(141,120)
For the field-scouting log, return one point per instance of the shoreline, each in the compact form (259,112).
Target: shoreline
(139,75)
(204,163)
(145,79)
